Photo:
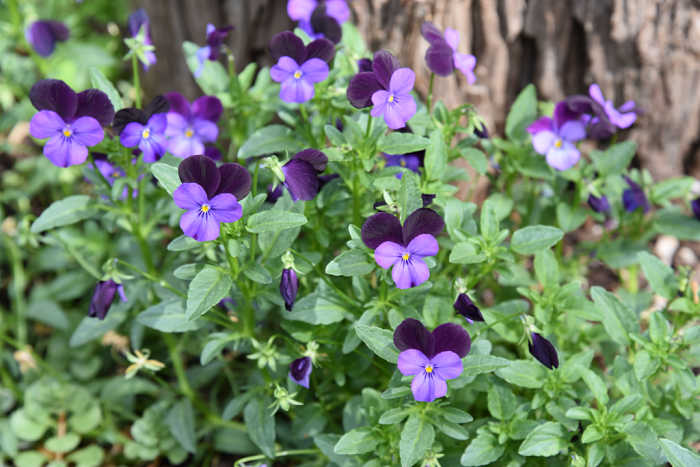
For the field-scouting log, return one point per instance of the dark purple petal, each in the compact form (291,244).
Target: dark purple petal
(384,65)
(365,64)
(300,179)
(289,284)
(212,152)
(54,94)
(273,194)
(361,88)
(320,48)
(453,337)
(314,157)
(431,33)
(599,204)
(438,57)
(300,370)
(326,25)
(411,334)
(695,205)
(43,35)
(102,299)
(427,199)
(235,179)
(544,351)
(207,108)
(94,103)
(465,307)
(200,170)
(287,44)
(128,115)
(178,104)
(634,197)
(482,133)
(158,105)
(422,221)
(381,227)
(564,113)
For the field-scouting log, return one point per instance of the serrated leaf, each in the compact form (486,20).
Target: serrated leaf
(206,290)
(180,421)
(100,81)
(167,316)
(274,220)
(380,341)
(268,140)
(357,441)
(534,238)
(64,212)
(401,143)
(350,263)
(522,113)
(483,450)
(166,175)
(417,437)
(546,440)
(261,425)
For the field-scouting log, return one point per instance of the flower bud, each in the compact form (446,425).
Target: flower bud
(289,284)
(465,307)
(543,351)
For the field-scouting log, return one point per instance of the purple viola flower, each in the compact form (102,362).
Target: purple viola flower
(543,351)
(300,370)
(137,20)
(695,206)
(598,126)
(111,172)
(210,196)
(634,198)
(442,56)
(298,66)
(301,174)
(555,138)
(212,152)
(42,35)
(623,117)
(189,127)
(404,248)
(396,104)
(599,204)
(373,76)
(123,117)
(407,161)
(71,121)
(465,307)
(289,285)
(211,51)
(103,296)
(319,19)
(150,138)
(433,357)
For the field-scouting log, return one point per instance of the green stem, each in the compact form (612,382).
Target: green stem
(323,277)
(368,128)
(18,283)
(153,278)
(490,325)
(429,100)
(137,83)
(259,457)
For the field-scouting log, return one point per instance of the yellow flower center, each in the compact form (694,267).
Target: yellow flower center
(403,162)
(189,133)
(205,208)
(391,98)
(429,369)
(67,132)
(405,256)
(297,74)
(558,143)
(146,133)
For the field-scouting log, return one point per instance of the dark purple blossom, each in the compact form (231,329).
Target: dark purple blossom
(543,351)
(190,127)
(301,174)
(634,198)
(211,51)
(623,117)
(137,20)
(71,121)
(111,172)
(555,138)
(598,126)
(319,18)
(103,296)
(300,370)
(599,204)
(123,117)
(210,195)
(442,56)
(695,206)
(42,35)
(404,248)
(433,357)
(373,76)
(465,307)
(289,285)
(150,138)
(298,66)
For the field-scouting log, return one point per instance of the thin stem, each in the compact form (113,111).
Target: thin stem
(153,278)
(259,457)
(137,83)
(429,100)
(498,321)
(323,277)
(368,129)
(18,283)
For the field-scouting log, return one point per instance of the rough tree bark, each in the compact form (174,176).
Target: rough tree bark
(646,50)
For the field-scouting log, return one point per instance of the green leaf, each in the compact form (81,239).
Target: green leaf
(62,444)
(478,364)
(488,222)
(274,220)
(476,159)
(615,159)
(436,156)
(214,79)
(570,218)
(25,427)
(524,373)
(380,341)
(257,273)
(546,440)
(483,450)
(100,81)
(618,319)
(409,194)
(180,421)
(90,456)
(315,308)
(596,385)
(401,143)
(453,430)
(182,243)
(268,140)
(334,136)
(392,416)
(168,316)
(546,268)
(670,189)
(455,415)
(357,441)
(92,328)
(466,253)
(30,459)
(645,442)
(677,455)
(501,402)
(658,328)
(522,113)
(660,276)
(645,365)
(677,224)
(534,238)
(350,263)
(166,175)
(207,289)
(64,212)
(261,425)
(417,437)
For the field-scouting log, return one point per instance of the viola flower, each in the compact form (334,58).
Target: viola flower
(274,193)
(396,105)
(599,204)
(189,127)
(301,174)
(300,370)
(433,357)
(555,138)
(695,206)
(623,117)
(123,117)
(72,122)
(598,125)
(465,307)
(111,172)
(103,296)
(407,161)
(42,35)
(298,66)
(289,285)
(212,152)
(137,20)
(210,196)
(373,76)
(543,351)
(442,56)
(319,19)
(211,51)
(404,248)
(150,138)
(634,198)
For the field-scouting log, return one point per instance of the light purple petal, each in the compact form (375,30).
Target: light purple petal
(46,124)
(64,152)
(296,90)
(176,124)
(207,108)
(300,9)
(190,196)
(225,208)
(178,104)
(205,130)
(466,63)
(452,38)
(411,273)
(423,245)
(402,81)
(412,362)
(541,124)
(447,365)
(625,120)
(628,106)
(573,130)
(596,94)
(563,158)
(201,227)
(314,70)
(543,140)
(152,148)
(338,9)
(284,69)
(202,55)
(427,388)
(182,146)
(131,135)
(387,254)
(157,123)
(87,131)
